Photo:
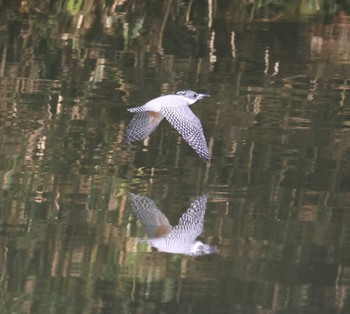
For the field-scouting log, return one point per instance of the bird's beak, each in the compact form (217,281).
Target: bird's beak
(201,96)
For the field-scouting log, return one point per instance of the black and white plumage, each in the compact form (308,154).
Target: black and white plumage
(175,109)
(163,236)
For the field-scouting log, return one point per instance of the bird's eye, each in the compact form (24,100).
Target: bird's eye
(195,95)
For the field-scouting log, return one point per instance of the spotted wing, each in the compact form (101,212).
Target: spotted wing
(141,126)
(189,126)
(190,225)
(153,221)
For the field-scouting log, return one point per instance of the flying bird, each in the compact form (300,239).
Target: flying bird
(180,239)
(175,109)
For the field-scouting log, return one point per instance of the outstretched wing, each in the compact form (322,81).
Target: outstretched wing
(141,126)
(189,126)
(190,225)
(153,221)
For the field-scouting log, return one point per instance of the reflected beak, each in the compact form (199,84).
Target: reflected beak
(201,96)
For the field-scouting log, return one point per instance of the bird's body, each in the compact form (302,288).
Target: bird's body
(166,238)
(175,109)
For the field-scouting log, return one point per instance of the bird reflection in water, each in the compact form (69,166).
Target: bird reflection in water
(180,239)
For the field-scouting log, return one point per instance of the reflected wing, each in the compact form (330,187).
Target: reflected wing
(153,221)
(191,223)
(141,126)
(189,126)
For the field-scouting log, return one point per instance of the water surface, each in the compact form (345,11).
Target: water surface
(277,126)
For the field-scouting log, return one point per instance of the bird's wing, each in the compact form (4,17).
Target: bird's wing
(153,221)
(190,225)
(141,126)
(189,126)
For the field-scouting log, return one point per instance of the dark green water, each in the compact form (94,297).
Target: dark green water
(277,126)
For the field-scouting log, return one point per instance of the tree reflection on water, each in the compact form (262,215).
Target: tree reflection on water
(276,125)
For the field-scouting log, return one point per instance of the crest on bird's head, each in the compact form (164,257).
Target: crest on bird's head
(191,95)
(187,93)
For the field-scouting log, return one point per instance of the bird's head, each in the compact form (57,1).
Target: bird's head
(191,96)
(199,248)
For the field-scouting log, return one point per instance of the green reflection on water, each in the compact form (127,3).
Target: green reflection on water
(276,126)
